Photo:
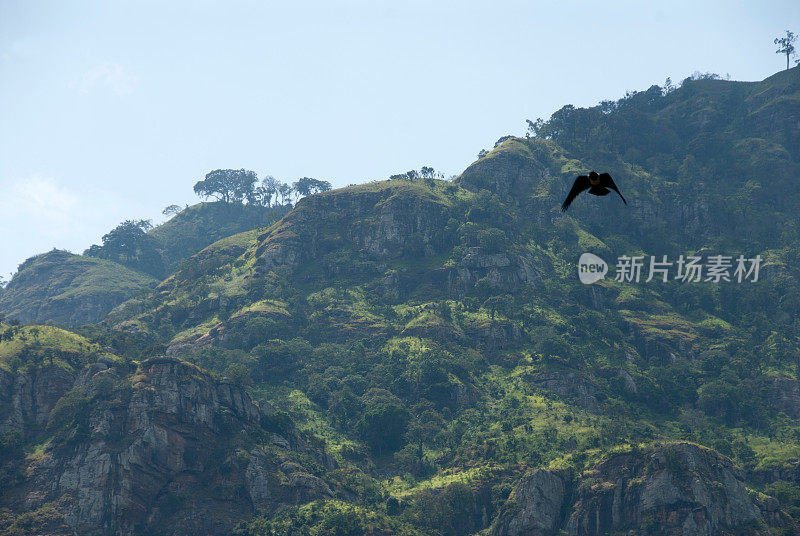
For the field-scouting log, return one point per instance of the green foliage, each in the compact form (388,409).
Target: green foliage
(228,185)
(70,411)
(449,512)
(11,445)
(331,518)
(308,186)
(47,519)
(130,245)
(786,45)
(787,493)
(38,345)
(384,421)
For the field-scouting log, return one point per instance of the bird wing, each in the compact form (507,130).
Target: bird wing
(608,182)
(580,184)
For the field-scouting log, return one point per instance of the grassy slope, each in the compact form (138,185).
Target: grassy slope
(200,225)
(51,286)
(32,344)
(71,290)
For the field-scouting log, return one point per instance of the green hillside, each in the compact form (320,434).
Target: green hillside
(68,289)
(197,226)
(72,290)
(433,340)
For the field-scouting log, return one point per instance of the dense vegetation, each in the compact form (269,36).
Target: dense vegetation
(434,334)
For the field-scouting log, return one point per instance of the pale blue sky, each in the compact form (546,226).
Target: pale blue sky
(111,110)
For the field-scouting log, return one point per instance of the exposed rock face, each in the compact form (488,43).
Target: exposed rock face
(678,489)
(510,172)
(380,223)
(570,386)
(506,272)
(534,508)
(785,394)
(495,335)
(26,398)
(169,451)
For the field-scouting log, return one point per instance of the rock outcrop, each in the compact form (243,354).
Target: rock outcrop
(572,387)
(377,221)
(677,489)
(169,450)
(507,272)
(28,397)
(534,507)
(785,395)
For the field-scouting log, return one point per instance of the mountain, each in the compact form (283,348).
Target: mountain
(420,357)
(68,289)
(72,290)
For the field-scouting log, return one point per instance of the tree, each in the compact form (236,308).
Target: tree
(427,172)
(303,186)
(384,421)
(269,184)
(228,185)
(259,197)
(171,210)
(500,302)
(534,127)
(128,243)
(285,191)
(123,241)
(422,430)
(307,186)
(494,240)
(318,186)
(785,45)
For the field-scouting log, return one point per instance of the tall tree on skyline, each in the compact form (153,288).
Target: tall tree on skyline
(308,186)
(227,185)
(786,45)
(285,192)
(270,188)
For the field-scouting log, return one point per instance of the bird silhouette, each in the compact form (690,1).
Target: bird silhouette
(596,183)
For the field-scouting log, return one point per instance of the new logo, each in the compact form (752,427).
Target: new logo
(591,268)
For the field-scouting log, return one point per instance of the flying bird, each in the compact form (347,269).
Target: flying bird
(597,184)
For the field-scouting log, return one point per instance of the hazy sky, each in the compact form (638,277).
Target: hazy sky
(111,110)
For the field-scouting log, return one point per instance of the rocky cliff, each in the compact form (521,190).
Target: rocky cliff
(165,450)
(679,488)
